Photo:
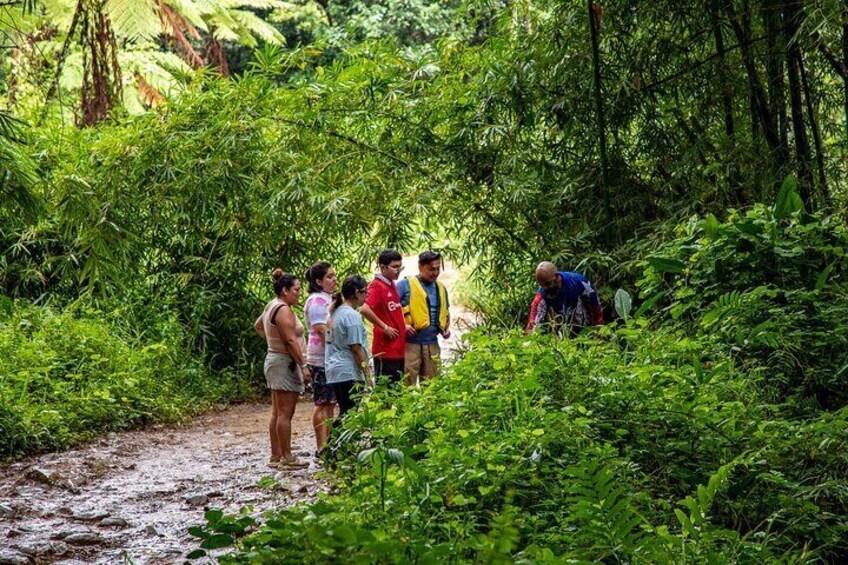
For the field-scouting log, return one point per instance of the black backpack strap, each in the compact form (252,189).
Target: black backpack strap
(274,312)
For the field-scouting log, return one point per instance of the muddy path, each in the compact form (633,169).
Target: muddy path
(130,497)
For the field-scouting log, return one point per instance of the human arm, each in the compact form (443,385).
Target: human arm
(317,315)
(446,333)
(538,310)
(286,324)
(368,314)
(259,326)
(361,359)
(403,293)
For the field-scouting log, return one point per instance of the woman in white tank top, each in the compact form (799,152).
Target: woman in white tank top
(285,365)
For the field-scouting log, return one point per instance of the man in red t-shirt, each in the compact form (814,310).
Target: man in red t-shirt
(383,309)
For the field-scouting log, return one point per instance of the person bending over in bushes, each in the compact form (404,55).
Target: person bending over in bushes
(285,365)
(564,301)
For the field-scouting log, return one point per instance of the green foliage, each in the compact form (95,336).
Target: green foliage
(662,439)
(629,445)
(190,209)
(68,376)
(773,288)
(623,303)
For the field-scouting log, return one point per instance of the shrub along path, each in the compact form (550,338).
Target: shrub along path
(135,494)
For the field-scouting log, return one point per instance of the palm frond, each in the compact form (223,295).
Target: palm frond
(224,27)
(11,128)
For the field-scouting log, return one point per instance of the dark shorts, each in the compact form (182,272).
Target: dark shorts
(322,393)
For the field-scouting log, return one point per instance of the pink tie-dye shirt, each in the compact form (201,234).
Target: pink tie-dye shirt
(316,311)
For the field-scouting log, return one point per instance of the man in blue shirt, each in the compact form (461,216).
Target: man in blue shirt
(565,300)
(426,312)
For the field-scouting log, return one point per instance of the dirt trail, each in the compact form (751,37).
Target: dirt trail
(130,497)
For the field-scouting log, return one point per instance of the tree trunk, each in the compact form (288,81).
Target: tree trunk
(845,60)
(760,104)
(791,15)
(726,96)
(814,126)
(594,28)
(775,72)
(101,75)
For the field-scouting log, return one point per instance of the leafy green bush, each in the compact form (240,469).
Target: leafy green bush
(775,289)
(672,437)
(631,445)
(68,376)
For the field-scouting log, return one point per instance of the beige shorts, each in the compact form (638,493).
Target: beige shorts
(282,373)
(422,362)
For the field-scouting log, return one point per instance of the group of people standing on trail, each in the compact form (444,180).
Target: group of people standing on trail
(408,315)
(331,350)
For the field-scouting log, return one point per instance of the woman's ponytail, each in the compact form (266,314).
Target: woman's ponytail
(337,301)
(350,286)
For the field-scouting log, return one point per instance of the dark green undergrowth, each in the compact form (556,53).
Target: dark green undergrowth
(67,376)
(681,434)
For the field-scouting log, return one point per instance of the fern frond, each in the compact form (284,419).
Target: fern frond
(190,10)
(72,71)
(259,27)
(60,13)
(224,27)
(134,19)
(604,512)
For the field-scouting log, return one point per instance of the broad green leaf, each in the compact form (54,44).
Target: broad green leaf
(788,200)
(711,226)
(822,278)
(666,264)
(217,541)
(623,303)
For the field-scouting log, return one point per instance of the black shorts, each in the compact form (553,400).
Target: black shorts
(322,393)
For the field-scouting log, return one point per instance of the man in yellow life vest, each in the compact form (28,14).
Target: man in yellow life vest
(426,311)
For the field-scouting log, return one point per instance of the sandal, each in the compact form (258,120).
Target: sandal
(292,463)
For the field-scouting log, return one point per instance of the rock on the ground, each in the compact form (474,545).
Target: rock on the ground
(11,557)
(90,515)
(84,538)
(42,476)
(114,521)
(37,549)
(197,500)
(6,510)
(64,534)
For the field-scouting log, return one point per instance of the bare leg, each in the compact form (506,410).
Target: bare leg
(287,403)
(319,422)
(276,452)
(318,425)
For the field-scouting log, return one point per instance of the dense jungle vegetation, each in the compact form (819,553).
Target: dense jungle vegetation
(157,159)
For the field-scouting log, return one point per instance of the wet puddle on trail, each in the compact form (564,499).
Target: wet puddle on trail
(130,497)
